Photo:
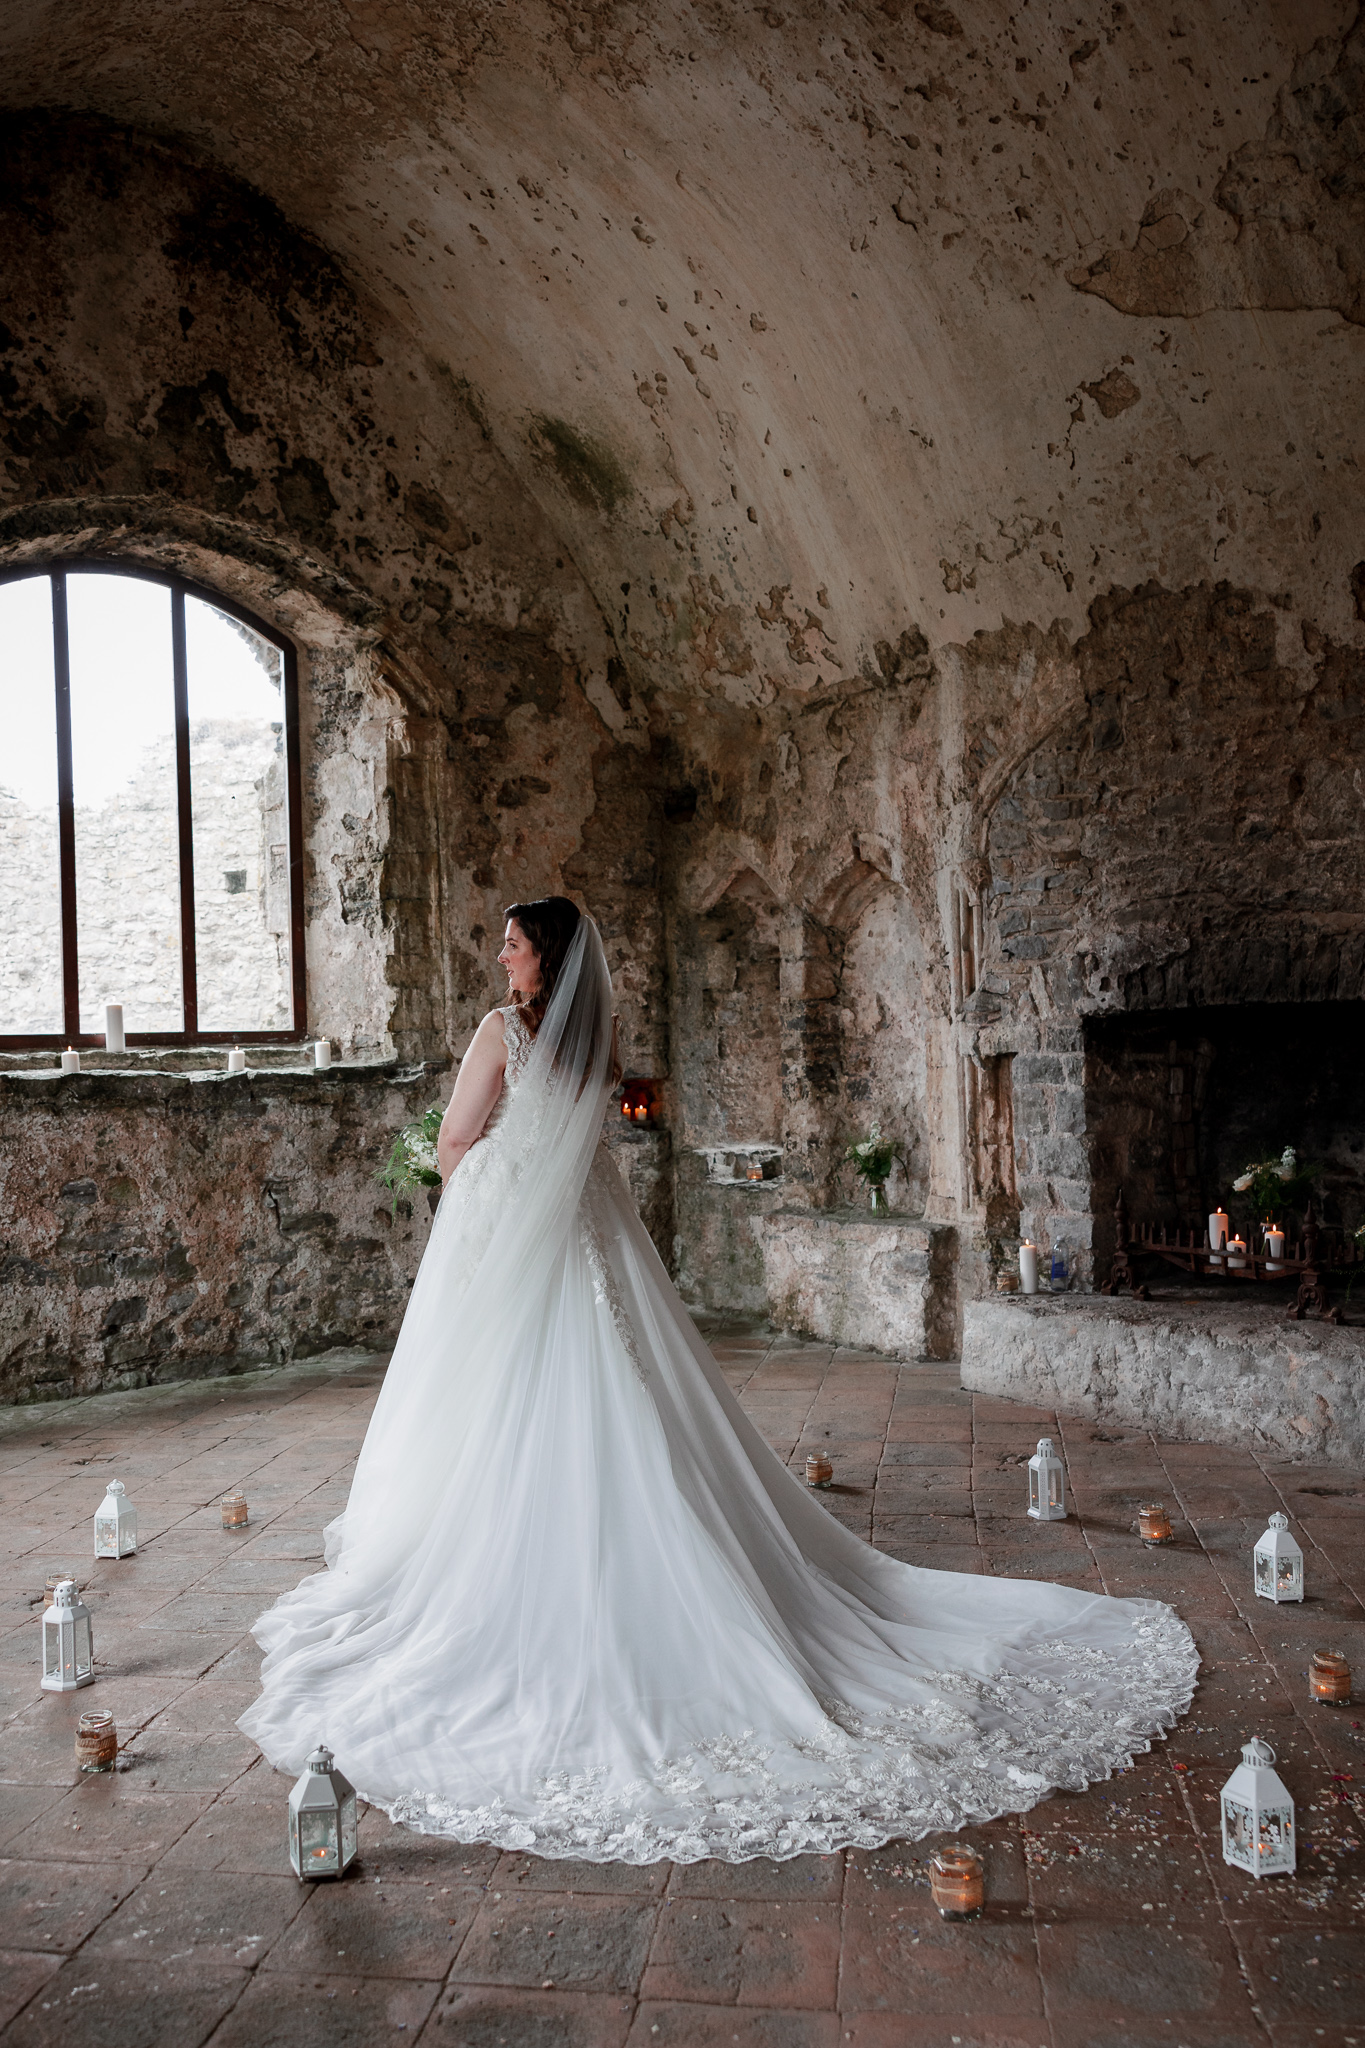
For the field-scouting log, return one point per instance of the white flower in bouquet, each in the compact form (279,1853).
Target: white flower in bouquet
(1289,1163)
(1243,1182)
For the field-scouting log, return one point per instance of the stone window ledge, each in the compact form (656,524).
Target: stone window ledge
(130,1079)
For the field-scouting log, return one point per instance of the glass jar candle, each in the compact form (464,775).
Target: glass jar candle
(957,1882)
(1154,1524)
(1329,1678)
(819,1470)
(96,1741)
(234,1511)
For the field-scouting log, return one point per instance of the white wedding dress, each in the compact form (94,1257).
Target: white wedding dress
(576,1606)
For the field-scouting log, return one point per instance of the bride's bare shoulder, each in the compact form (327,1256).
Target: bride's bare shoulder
(488,1046)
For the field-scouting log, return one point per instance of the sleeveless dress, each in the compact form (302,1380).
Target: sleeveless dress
(620,1629)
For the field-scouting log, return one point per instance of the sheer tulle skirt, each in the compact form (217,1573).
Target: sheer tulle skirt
(577,1606)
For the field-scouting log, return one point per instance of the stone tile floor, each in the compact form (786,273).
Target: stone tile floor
(155,1908)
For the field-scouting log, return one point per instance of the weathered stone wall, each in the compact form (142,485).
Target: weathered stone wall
(859,501)
(161,1226)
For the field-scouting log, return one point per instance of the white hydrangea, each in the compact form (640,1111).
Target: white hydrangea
(422,1153)
(1241,1185)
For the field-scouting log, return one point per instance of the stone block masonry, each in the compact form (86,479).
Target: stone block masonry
(163,1226)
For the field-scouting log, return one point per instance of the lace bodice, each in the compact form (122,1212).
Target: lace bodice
(519,1043)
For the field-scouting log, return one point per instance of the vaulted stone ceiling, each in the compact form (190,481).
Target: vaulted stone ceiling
(814,325)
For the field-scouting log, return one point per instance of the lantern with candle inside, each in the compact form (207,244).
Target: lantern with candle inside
(1046,1484)
(115,1523)
(68,1645)
(234,1510)
(1277,1563)
(957,1882)
(1154,1524)
(1258,1815)
(322,1819)
(1329,1678)
(819,1470)
(97,1741)
(1028,1267)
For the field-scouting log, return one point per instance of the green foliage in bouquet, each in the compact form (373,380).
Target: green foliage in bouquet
(412,1163)
(873,1156)
(1275,1184)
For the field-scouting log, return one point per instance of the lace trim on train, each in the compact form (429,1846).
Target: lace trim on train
(905,1774)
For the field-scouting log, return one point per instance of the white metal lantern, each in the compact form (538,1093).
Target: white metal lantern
(1278,1563)
(115,1523)
(1258,1815)
(68,1645)
(1046,1484)
(321,1819)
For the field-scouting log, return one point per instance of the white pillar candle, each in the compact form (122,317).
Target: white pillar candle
(113,1028)
(1237,1245)
(1218,1230)
(71,1062)
(322,1053)
(1028,1267)
(1274,1244)
(236,1060)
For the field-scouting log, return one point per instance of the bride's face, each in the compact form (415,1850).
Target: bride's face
(521,960)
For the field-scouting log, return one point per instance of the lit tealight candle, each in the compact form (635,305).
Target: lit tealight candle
(236,1060)
(114,1040)
(1028,1267)
(71,1061)
(322,1053)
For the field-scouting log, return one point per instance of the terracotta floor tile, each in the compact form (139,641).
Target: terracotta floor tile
(101,1820)
(130,2005)
(1094,1969)
(809,1878)
(276,2011)
(544,1940)
(898,1875)
(745,1951)
(354,1928)
(687,2025)
(903,1958)
(246,1835)
(513,1874)
(952,2030)
(52,1907)
(22,1975)
(215,1917)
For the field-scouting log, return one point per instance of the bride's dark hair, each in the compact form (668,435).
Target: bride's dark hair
(549,924)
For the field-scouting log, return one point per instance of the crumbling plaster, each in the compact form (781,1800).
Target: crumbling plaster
(705,450)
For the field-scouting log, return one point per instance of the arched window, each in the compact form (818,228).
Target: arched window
(150,848)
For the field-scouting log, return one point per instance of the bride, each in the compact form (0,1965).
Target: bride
(575,1605)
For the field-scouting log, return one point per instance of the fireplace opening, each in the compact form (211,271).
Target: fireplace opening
(1179,1103)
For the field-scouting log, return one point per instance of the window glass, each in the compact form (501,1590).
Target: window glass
(239,800)
(124,786)
(30,880)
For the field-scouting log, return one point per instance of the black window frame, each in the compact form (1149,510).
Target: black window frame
(180,588)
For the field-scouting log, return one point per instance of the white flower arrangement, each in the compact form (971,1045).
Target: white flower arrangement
(1269,1181)
(411,1165)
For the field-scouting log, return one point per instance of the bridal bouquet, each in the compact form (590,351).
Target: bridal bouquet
(1274,1184)
(412,1163)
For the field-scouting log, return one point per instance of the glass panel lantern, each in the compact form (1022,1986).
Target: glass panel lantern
(1278,1563)
(1258,1815)
(322,1819)
(68,1645)
(115,1523)
(1046,1484)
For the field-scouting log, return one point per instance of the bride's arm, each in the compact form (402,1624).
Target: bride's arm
(477,1087)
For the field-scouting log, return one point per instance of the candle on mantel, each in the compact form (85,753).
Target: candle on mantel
(1274,1245)
(322,1053)
(71,1062)
(114,1040)
(1218,1230)
(1238,1245)
(1028,1267)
